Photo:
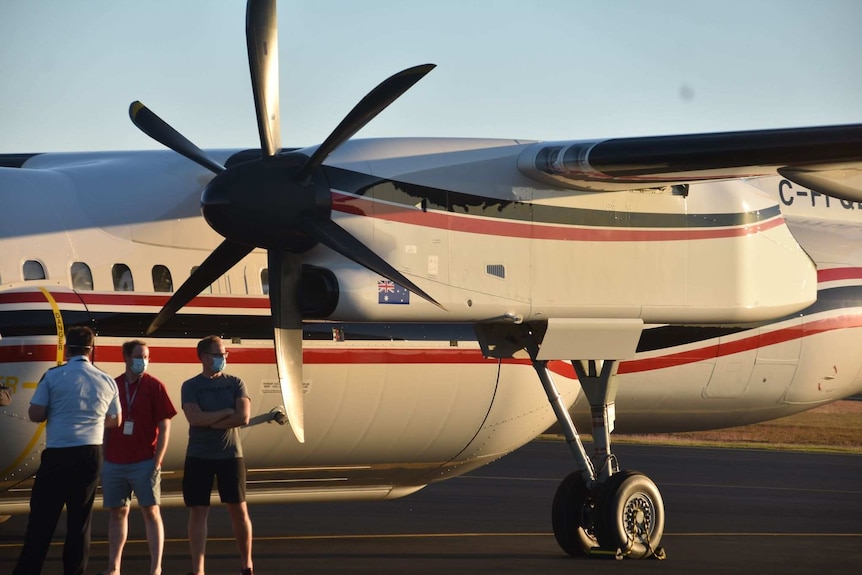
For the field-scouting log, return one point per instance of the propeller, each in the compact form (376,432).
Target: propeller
(159,130)
(279,202)
(261,35)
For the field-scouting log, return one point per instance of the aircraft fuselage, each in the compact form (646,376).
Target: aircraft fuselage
(743,324)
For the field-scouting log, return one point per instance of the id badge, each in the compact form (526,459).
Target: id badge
(128,427)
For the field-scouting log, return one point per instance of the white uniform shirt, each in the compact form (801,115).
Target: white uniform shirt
(78,396)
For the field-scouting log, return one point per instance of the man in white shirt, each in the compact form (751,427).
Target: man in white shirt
(77,401)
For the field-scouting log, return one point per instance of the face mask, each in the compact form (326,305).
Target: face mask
(219,363)
(139,365)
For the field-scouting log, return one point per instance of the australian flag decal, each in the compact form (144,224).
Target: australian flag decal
(390,292)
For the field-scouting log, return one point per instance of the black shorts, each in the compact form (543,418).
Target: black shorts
(198,475)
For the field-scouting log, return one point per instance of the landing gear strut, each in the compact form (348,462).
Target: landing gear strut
(598,510)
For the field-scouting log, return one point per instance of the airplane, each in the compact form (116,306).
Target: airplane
(406,310)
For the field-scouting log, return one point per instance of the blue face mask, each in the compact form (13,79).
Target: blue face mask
(219,363)
(139,365)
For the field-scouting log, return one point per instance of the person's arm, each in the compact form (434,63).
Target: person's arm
(38,413)
(199,418)
(113,421)
(162,443)
(238,418)
(5,395)
(114,417)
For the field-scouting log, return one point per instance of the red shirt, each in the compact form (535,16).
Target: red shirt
(150,405)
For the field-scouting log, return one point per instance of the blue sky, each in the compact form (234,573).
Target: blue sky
(544,70)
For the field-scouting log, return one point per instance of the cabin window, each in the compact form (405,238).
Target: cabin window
(33,270)
(209,288)
(264,280)
(82,277)
(162,280)
(122,278)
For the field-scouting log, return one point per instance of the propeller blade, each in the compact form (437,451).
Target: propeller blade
(217,263)
(159,130)
(261,31)
(337,238)
(366,110)
(285,275)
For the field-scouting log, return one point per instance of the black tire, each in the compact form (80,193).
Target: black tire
(630,515)
(572,516)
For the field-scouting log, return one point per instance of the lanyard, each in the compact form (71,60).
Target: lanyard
(130,400)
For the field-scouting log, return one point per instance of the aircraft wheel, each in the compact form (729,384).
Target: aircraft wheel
(572,516)
(630,515)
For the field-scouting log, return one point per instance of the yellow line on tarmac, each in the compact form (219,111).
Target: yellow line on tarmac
(820,535)
(451,536)
(315,537)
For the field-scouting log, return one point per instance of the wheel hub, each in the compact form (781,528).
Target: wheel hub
(638,517)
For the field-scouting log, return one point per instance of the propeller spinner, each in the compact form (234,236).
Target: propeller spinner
(281,203)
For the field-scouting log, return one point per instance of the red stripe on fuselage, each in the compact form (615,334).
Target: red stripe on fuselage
(838,274)
(444,356)
(240,356)
(127,299)
(743,344)
(131,299)
(208,301)
(348,203)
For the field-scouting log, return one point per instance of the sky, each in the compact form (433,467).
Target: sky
(527,69)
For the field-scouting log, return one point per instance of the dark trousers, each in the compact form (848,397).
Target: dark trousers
(67,477)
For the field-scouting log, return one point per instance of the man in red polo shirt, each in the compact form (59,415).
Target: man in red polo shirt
(133,456)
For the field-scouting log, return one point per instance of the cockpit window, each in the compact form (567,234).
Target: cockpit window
(82,277)
(162,280)
(122,278)
(33,270)
(264,280)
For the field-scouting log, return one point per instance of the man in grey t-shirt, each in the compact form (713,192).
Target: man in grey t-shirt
(216,405)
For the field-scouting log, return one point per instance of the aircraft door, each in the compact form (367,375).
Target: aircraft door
(30,320)
(778,351)
(733,365)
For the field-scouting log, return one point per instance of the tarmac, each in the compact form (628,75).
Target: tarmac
(728,511)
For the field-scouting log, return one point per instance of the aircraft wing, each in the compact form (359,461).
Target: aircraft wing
(824,159)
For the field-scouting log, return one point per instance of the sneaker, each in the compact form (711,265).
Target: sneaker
(246,572)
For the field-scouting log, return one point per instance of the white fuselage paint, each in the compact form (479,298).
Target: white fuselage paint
(387,416)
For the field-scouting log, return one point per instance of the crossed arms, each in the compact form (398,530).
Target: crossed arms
(221,419)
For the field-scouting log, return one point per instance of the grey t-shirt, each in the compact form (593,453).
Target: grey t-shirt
(212,395)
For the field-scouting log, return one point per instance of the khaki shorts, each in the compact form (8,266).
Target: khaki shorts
(120,480)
